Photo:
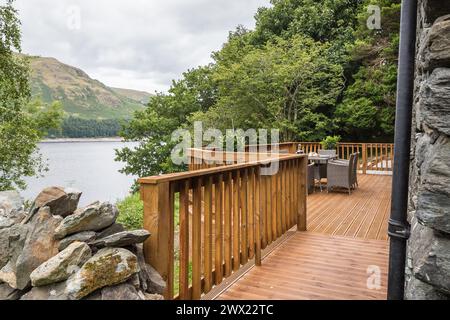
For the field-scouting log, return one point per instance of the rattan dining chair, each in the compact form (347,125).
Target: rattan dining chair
(340,174)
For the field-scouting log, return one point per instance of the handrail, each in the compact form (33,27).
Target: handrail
(374,157)
(202,172)
(203,158)
(227,215)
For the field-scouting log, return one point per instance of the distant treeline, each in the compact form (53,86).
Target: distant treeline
(74,127)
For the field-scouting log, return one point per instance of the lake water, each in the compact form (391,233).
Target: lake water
(87,166)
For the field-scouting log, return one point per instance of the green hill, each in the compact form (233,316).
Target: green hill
(81,95)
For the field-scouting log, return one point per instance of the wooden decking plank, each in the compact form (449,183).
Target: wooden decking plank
(346,234)
(305,285)
(307,267)
(337,213)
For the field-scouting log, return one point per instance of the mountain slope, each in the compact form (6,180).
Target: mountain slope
(141,96)
(81,95)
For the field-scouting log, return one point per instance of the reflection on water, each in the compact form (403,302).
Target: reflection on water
(87,166)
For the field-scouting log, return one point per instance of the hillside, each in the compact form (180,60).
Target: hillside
(141,96)
(81,95)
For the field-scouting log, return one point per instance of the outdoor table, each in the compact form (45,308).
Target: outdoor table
(320,170)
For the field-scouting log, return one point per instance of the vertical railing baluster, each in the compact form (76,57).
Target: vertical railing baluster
(207,235)
(196,239)
(236,222)
(184,241)
(244,217)
(218,217)
(228,205)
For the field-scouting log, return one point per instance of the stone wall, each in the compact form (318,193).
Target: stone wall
(56,251)
(428,264)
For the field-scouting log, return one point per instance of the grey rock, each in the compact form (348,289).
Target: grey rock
(8,293)
(433,207)
(430,252)
(6,222)
(135,281)
(108,267)
(94,296)
(113,229)
(12,241)
(149,296)
(92,218)
(61,266)
(419,290)
(10,201)
(61,201)
(435,101)
(151,281)
(55,291)
(122,239)
(432,9)
(155,283)
(435,52)
(40,246)
(85,236)
(123,291)
(434,268)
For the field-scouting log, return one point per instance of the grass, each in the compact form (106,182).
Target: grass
(131,212)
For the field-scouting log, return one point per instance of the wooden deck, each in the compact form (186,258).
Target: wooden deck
(363,214)
(336,258)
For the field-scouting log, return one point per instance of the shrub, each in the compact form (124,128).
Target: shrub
(131,212)
(330,142)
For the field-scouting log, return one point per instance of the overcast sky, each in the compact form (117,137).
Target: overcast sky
(136,44)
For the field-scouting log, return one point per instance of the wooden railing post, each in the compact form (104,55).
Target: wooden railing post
(302,197)
(158,220)
(364,158)
(258,218)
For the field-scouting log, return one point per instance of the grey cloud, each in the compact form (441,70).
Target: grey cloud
(136,44)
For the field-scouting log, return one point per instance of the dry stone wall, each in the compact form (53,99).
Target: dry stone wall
(56,251)
(428,264)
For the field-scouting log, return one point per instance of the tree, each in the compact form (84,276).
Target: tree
(368,108)
(287,84)
(22,123)
(310,68)
(153,127)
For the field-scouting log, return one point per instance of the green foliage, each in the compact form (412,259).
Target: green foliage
(330,142)
(281,85)
(368,107)
(75,127)
(165,113)
(310,68)
(131,212)
(23,123)
(326,20)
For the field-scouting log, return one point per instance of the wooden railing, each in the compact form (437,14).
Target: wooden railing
(205,159)
(227,215)
(373,157)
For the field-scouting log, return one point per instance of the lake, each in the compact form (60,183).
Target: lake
(88,166)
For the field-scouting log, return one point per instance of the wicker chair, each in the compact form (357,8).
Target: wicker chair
(354,168)
(340,174)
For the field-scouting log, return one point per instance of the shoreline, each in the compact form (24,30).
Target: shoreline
(66,140)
